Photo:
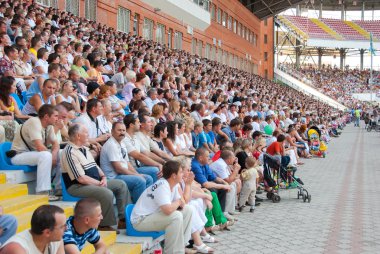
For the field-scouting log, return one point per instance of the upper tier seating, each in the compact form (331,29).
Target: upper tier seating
(371,26)
(342,28)
(309,27)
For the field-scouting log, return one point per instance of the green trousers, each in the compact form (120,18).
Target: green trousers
(215,213)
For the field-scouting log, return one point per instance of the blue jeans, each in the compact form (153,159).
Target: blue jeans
(136,184)
(149,170)
(9,225)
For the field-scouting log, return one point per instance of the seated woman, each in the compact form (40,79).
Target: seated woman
(199,200)
(95,72)
(22,68)
(41,66)
(172,147)
(7,102)
(78,66)
(68,94)
(45,97)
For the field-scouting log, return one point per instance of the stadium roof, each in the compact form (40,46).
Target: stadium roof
(264,8)
(268,8)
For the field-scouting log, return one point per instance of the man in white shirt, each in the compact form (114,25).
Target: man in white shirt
(255,123)
(144,137)
(138,156)
(48,225)
(115,163)
(94,123)
(198,113)
(221,168)
(161,207)
(151,100)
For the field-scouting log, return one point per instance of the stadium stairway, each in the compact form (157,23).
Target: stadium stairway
(358,28)
(327,29)
(15,200)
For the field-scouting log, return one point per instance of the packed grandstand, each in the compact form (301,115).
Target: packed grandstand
(105,117)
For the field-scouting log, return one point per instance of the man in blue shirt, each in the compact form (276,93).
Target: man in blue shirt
(206,177)
(82,227)
(217,186)
(235,125)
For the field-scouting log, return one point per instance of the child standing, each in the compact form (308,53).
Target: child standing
(250,179)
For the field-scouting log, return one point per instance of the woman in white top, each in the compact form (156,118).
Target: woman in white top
(69,95)
(198,200)
(186,135)
(41,66)
(170,145)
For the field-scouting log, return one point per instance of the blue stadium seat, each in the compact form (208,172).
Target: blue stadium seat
(65,195)
(133,232)
(20,104)
(5,162)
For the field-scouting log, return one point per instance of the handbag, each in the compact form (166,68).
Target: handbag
(13,153)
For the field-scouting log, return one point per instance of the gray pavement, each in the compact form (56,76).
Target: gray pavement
(344,213)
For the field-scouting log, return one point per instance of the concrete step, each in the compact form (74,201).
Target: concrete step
(146,243)
(23,204)
(24,219)
(9,191)
(125,248)
(18,176)
(108,237)
(3,178)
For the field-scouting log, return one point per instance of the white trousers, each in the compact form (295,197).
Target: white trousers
(177,228)
(198,221)
(231,198)
(43,161)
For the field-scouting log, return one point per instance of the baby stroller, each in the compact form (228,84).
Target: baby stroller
(276,170)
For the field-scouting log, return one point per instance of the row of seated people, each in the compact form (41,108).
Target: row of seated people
(225,181)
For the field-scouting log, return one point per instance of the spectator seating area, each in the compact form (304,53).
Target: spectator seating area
(332,81)
(346,30)
(82,86)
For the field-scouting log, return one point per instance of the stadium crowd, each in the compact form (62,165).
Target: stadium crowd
(332,81)
(126,119)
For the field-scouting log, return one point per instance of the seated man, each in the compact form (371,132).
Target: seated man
(151,148)
(138,156)
(115,163)
(221,169)
(83,178)
(207,178)
(45,235)
(82,227)
(161,208)
(235,126)
(35,144)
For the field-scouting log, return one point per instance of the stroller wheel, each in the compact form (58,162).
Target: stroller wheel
(304,198)
(308,198)
(276,198)
(269,195)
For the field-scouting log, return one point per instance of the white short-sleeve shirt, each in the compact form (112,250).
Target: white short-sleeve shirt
(220,168)
(113,151)
(153,198)
(133,144)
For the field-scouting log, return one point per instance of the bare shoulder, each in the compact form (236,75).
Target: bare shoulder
(13,248)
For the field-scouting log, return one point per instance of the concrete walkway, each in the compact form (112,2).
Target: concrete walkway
(344,213)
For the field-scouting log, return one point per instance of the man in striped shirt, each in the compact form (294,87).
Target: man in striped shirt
(83,178)
(82,227)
